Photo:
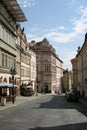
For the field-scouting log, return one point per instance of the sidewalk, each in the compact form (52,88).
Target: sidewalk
(19,100)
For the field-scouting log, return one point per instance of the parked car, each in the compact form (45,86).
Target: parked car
(27,91)
(72,95)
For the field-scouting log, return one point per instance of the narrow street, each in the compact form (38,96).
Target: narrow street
(51,112)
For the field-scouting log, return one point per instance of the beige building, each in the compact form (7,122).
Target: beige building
(49,67)
(10,14)
(23,58)
(75,73)
(25,61)
(18,57)
(67,80)
(81,68)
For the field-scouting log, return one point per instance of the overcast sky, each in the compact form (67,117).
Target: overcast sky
(62,22)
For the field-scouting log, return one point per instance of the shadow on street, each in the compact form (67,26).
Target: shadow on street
(60,102)
(79,126)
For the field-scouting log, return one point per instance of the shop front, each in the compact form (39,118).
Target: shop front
(7,91)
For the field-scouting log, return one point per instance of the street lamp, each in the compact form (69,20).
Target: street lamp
(36,87)
(13,72)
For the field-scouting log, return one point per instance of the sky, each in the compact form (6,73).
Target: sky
(62,22)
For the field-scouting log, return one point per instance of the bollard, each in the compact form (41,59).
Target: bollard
(3,101)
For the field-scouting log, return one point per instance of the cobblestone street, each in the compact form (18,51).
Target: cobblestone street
(51,112)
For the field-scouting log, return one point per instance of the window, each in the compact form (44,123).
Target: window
(22,72)
(47,68)
(3,33)
(7,61)
(46,58)
(0,31)
(6,36)
(3,60)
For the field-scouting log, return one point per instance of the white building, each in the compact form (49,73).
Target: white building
(32,66)
(59,75)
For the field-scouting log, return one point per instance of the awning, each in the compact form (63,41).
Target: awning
(15,10)
(6,85)
(29,87)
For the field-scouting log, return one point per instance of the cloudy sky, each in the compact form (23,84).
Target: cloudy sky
(62,22)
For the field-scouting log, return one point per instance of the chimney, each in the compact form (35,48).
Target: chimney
(79,48)
(33,41)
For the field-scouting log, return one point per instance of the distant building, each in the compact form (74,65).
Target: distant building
(75,73)
(67,80)
(49,67)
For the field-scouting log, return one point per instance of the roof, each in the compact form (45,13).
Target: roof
(80,49)
(14,9)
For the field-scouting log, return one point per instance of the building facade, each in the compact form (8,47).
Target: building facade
(59,75)
(32,67)
(81,65)
(47,67)
(75,73)
(25,61)
(10,14)
(18,57)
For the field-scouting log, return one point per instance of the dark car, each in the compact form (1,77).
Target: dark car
(72,95)
(27,91)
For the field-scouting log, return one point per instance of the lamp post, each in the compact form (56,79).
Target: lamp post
(13,72)
(36,87)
